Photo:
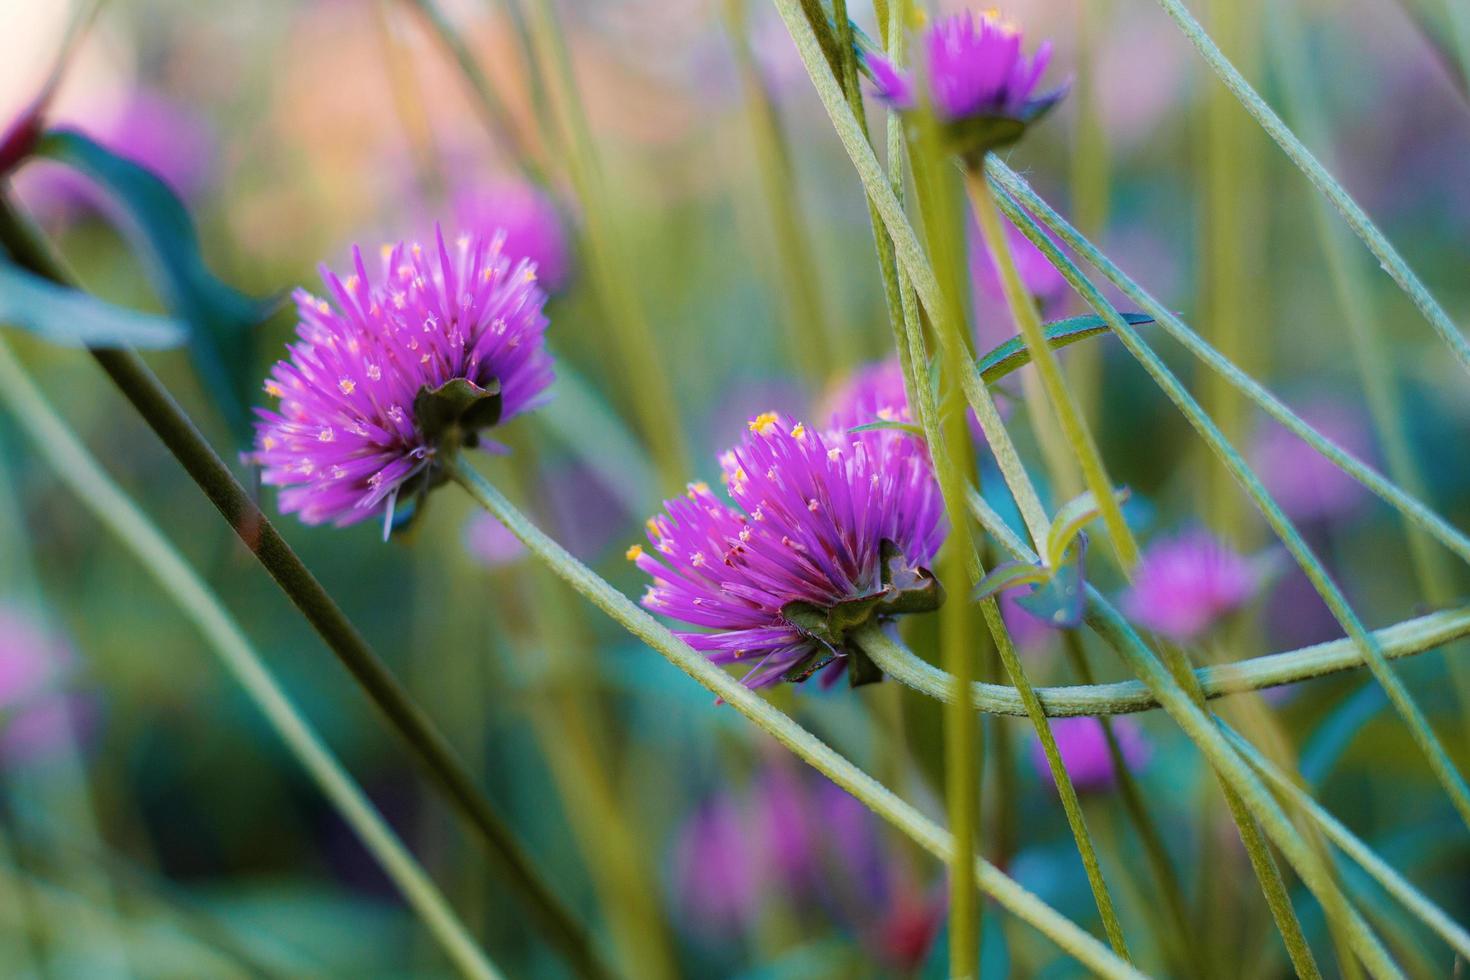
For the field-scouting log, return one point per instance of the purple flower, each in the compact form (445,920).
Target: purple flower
(528,218)
(490,543)
(33,666)
(872,393)
(812,516)
(717,868)
(1304,482)
(1084,750)
(358,417)
(975,70)
(1185,583)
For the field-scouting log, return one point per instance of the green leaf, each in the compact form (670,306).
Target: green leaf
(1068,522)
(73,319)
(1013,355)
(220,317)
(908,427)
(1008,576)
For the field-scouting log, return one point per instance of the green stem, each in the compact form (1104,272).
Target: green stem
(1439,760)
(1356,218)
(425,742)
(82,474)
(640,353)
(1027,199)
(492,109)
(765,716)
(1064,405)
(808,327)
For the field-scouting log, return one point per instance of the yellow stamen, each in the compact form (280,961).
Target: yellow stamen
(798,431)
(634,553)
(763,423)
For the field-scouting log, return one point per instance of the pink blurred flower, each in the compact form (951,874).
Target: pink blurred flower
(1038,275)
(718,877)
(489,543)
(1084,749)
(1306,485)
(1185,583)
(35,716)
(530,219)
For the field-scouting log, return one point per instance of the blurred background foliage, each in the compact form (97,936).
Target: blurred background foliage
(155,826)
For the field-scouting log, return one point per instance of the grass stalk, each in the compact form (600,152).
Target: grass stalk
(1357,219)
(81,473)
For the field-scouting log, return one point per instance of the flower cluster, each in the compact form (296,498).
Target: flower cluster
(444,341)
(822,523)
(527,217)
(979,82)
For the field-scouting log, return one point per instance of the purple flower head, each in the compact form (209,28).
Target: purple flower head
(818,521)
(717,872)
(976,74)
(490,543)
(1304,482)
(1187,582)
(872,393)
(1084,749)
(446,341)
(528,218)
(34,665)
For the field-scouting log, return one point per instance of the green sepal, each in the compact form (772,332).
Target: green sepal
(457,409)
(974,136)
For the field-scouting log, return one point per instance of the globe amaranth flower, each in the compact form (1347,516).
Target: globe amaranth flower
(1185,583)
(826,532)
(443,343)
(37,714)
(1083,746)
(979,82)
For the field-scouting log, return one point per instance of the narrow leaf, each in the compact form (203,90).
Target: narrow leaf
(1013,355)
(220,317)
(1070,518)
(908,427)
(74,319)
(1007,576)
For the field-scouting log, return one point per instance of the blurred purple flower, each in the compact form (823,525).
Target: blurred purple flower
(1084,750)
(164,136)
(35,711)
(717,871)
(1185,583)
(1038,275)
(346,439)
(1028,631)
(528,217)
(812,514)
(1306,485)
(489,543)
(873,393)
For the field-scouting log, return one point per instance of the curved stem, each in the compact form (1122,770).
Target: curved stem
(425,742)
(1388,257)
(1404,639)
(85,477)
(881,800)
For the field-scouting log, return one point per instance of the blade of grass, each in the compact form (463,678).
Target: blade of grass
(75,467)
(1357,219)
(1439,760)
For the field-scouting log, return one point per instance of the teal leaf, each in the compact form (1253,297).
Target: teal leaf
(908,427)
(74,319)
(220,317)
(1013,354)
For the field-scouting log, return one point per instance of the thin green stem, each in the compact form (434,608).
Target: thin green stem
(1394,883)
(1422,516)
(408,721)
(492,109)
(85,477)
(1387,256)
(1439,760)
(612,271)
(1028,320)
(808,325)
(765,716)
